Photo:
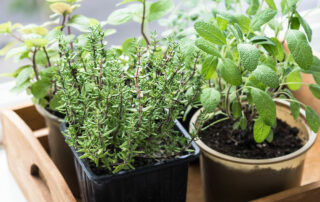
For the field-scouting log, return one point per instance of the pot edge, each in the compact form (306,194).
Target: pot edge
(301,151)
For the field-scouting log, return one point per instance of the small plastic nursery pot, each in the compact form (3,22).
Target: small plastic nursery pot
(163,181)
(227,178)
(60,152)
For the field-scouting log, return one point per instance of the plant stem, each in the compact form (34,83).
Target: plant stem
(143,22)
(138,88)
(34,65)
(47,56)
(63,22)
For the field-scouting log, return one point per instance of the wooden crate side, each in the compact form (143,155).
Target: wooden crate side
(29,163)
(306,193)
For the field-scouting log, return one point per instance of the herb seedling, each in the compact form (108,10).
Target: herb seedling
(121,110)
(247,70)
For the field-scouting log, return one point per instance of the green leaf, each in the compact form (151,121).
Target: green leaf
(207,47)
(300,49)
(210,33)
(271,4)
(295,109)
(260,130)
(81,23)
(254,82)
(230,72)
(266,75)
(222,23)
(236,109)
(24,76)
(270,137)
(120,16)
(20,88)
(243,123)
(40,88)
(315,89)
(265,106)
(292,4)
(294,23)
(294,77)
(249,56)
(37,42)
(284,7)
(253,7)
(209,66)
(277,50)
(210,99)
(305,26)
(55,102)
(262,18)
(316,77)
(159,9)
(312,119)
(262,40)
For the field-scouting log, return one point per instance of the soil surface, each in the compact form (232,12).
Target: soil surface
(222,138)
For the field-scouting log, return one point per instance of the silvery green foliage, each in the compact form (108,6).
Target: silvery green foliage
(121,108)
(247,70)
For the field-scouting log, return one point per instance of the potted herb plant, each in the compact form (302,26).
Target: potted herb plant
(252,132)
(36,46)
(120,113)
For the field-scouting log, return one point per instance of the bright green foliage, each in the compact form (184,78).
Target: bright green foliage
(295,109)
(249,56)
(253,7)
(210,99)
(275,50)
(294,80)
(210,33)
(265,106)
(315,89)
(38,45)
(207,47)
(209,66)
(266,75)
(300,49)
(262,18)
(260,130)
(254,70)
(236,109)
(312,119)
(121,109)
(230,72)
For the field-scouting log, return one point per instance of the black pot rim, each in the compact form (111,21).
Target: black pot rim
(140,170)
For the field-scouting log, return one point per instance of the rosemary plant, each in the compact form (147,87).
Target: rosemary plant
(121,110)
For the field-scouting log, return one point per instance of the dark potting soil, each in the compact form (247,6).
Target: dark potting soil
(222,138)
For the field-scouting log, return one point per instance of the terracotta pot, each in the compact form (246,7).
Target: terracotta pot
(227,178)
(60,152)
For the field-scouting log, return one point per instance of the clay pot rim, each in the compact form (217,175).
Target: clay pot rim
(47,114)
(299,152)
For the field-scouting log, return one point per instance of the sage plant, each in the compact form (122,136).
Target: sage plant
(248,70)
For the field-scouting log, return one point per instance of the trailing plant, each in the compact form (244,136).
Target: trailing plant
(120,110)
(37,47)
(247,70)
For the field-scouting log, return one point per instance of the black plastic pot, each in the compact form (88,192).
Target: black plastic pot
(161,182)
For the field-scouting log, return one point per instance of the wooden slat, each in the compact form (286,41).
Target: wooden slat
(306,193)
(34,171)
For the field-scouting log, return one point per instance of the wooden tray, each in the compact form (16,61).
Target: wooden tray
(25,140)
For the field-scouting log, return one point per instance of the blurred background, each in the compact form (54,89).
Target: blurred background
(36,11)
